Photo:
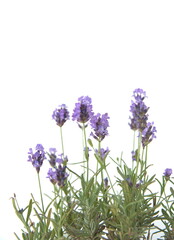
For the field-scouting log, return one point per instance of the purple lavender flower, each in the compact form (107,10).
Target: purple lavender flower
(62,159)
(37,157)
(83,110)
(134,155)
(139,94)
(139,184)
(129,182)
(102,153)
(139,118)
(58,175)
(99,123)
(61,115)
(106,183)
(167,172)
(148,134)
(52,156)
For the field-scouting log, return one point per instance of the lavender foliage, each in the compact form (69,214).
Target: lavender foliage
(61,115)
(37,157)
(83,110)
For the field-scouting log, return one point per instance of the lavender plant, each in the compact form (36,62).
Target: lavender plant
(95,205)
(167,208)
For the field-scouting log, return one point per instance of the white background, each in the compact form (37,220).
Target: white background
(52,52)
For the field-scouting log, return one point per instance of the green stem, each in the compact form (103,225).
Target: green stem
(138,153)
(99,151)
(55,195)
(145,162)
(86,153)
(133,149)
(43,211)
(61,135)
(61,212)
(110,181)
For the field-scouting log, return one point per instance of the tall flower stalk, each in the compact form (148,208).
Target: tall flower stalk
(82,114)
(37,158)
(61,115)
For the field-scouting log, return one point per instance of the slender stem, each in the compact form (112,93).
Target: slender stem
(41,196)
(61,211)
(55,195)
(61,135)
(134,141)
(110,181)
(86,153)
(133,149)
(145,161)
(167,202)
(138,154)
(99,152)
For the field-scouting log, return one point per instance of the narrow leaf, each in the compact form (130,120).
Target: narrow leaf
(29,210)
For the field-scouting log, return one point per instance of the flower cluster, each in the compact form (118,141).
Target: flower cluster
(102,153)
(58,175)
(168,172)
(139,111)
(83,110)
(37,157)
(148,134)
(99,123)
(61,115)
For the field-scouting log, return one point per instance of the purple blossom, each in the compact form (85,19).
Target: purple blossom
(167,172)
(52,156)
(102,153)
(148,134)
(37,157)
(139,94)
(99,123)
(61,115)
(129,182)
(139,184)
(139,110)
(134,155)
(61,159)
(106,183)
(58,175)
(83,110)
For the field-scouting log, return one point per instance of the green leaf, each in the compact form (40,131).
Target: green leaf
(121,174)
(16,236)
(20,216)
(49,218)
(39,217)
(29,210)
(36,203)
(165,214)
(90,142)
(172,191)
